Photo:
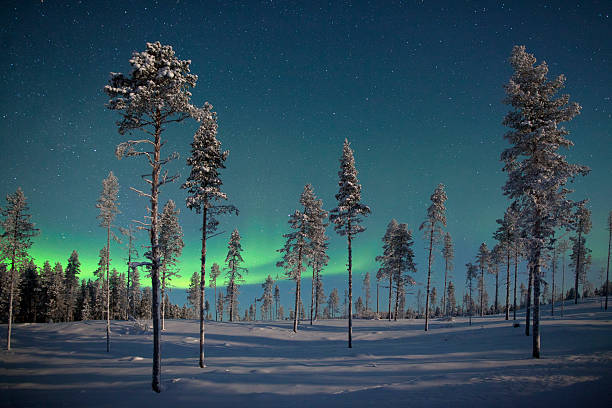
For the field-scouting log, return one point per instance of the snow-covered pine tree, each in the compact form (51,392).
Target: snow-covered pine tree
(234,272)
(451,303)
(108,206)
(582,222)
(471,274)
(432,227)
(294,253)
(366,290)
(193,292)
(403,261)
(347,216)
(334,303)
(386,260)
(483,258)
(537,172)
(204,188)
(71,285)
(171,247)
(17,233)
(317,241)
(276,300)
(56,293)
(29,289)
(214,274)
(449,254)
(155,94)
(496,258)
(267,298)
(506,235)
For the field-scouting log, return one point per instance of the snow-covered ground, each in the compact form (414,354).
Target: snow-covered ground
(266,364)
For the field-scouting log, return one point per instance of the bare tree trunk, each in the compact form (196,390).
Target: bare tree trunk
(515,278)
(444,293)
(298,279)
(312,296)
(578,265)
(497,292)
(428,279)
(554,265)
(231,300)
(563,285)
(397,295)
(528,302)
(508,284)
(390,293)
(155,262)
(129,304)
(608,266)
(11,289)
(163,300)
(316,315)
(107,290)
(377,315)
(203,285)
(482,290)
(536,307)
(350,288)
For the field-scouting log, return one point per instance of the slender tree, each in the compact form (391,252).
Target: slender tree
(130,237)
(214,274)
(495,259)
(506,235)
(449,254)
(483,259)
(204,188)
(155,94)
(609,228)
(294,252)
(471,274)
(366,290)
(267,298)
(386,259)
(580,251)
(171,247)
(432,227)
(276,300)
(317,241)
(234,272)
(537,172)
(451,302)
(108,206)
(562,247)
(347,217)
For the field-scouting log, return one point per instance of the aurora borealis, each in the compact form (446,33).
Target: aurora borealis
(417,87)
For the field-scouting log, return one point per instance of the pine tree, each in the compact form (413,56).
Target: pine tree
(171,247)
(317,241)
(433,297)
(451,304)
(359,306)
(321,299)
(506,235)
(220,303)
(334,303)
(128,233)
(483,259)
(193,293)
(609,228)
(276,300)
(156,93)
(495,259)
(562,248)
(366,290)
(471,274)
(85,309)
(107,204)
(386,259)
(234,272)
(449,254)
(204,188)
(71,284)
(294,252)
(348,215)
(537,172)
(432,226)
(267,296)
(55,293)
(29,289)
(17,232)
(214,274)
(580,253)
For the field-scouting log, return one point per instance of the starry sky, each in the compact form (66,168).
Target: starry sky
(417,87)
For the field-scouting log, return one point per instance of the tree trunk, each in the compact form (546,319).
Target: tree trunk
(163,299)
(312,296)
(155,262)
(108,289)
(428,279)
(444,293)
(578,265)
(497,291)
(11,289)
(515,279)
(508,284)
(554,265)
(482,290)
(231,300)
(471,301)
(350,288)
(203,285)
(528,302)
(397,295)
(127,297)
(316,315)
(377,315)
(608,266)
(563,285)
(536,307)
(216,308)
(390,293)
(298,279)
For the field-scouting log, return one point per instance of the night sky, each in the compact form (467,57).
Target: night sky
(417,87)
